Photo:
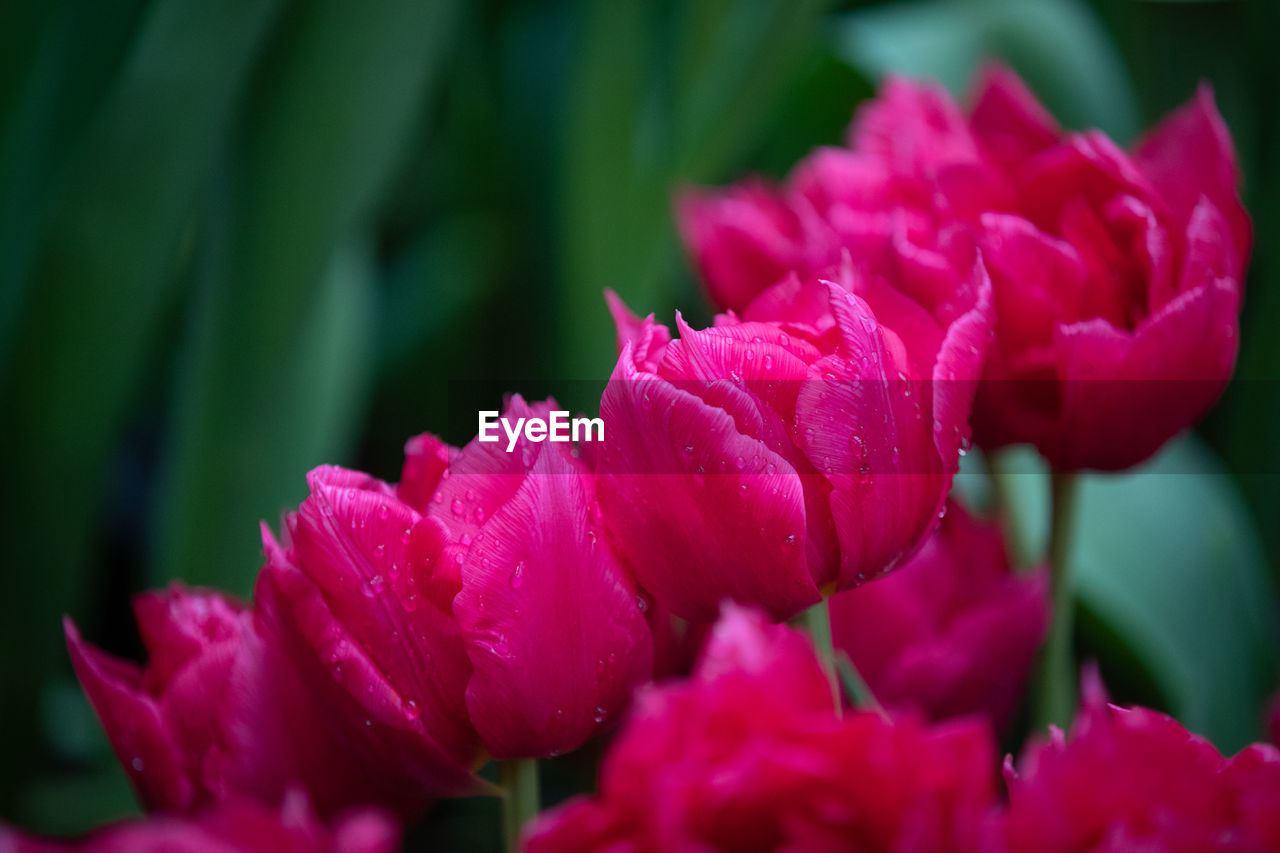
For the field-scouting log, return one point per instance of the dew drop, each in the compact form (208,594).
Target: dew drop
(411,711)
(641,604)
(517,575)
(383,512)
(456,507)
(600,714)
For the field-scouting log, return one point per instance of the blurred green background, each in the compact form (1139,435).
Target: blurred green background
(239,239)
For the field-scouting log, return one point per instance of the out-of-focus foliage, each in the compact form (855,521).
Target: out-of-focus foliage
(1171,579)
(239,239)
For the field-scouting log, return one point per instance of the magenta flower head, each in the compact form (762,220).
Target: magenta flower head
(1118,279)
(477,607)
(1117,275)
(952,632)
(219,711)
(1134,779)
(748,754)
(235,824)
(164,721)
(772,461)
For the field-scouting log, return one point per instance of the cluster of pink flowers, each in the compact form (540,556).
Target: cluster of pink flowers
(944,270)
(749,755)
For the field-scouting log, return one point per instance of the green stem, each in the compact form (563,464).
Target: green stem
(998,469)
(855,686)
(1056,686)
(519,779)
(817,619)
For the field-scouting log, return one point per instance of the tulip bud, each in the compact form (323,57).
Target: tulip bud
(771,461)
(220,711)
(163,720)
(952,632)
(476,604)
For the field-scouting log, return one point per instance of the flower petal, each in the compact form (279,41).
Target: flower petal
(554,626)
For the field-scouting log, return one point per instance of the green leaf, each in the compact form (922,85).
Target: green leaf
(637,130)
(1058,46)
(262,386)
(94,292)
(1166,560)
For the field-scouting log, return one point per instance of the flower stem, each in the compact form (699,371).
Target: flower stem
(855,686)
(817,619)
(998,469)
(1056,686)
(519,779)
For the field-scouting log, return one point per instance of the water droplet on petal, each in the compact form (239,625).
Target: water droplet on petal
(600,714)
(411,711)
(517,575)
(456,506)
(383,512)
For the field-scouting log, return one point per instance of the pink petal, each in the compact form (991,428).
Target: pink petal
(670,466)
(354,546)
(1125,395)
(483,476)
(915,126)
(648,338)
(335,725)
(426,458)
(1190,155)
(742,240)
(1007,120)
(1086,168)
(884,470)
(554,626)
(141,737)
